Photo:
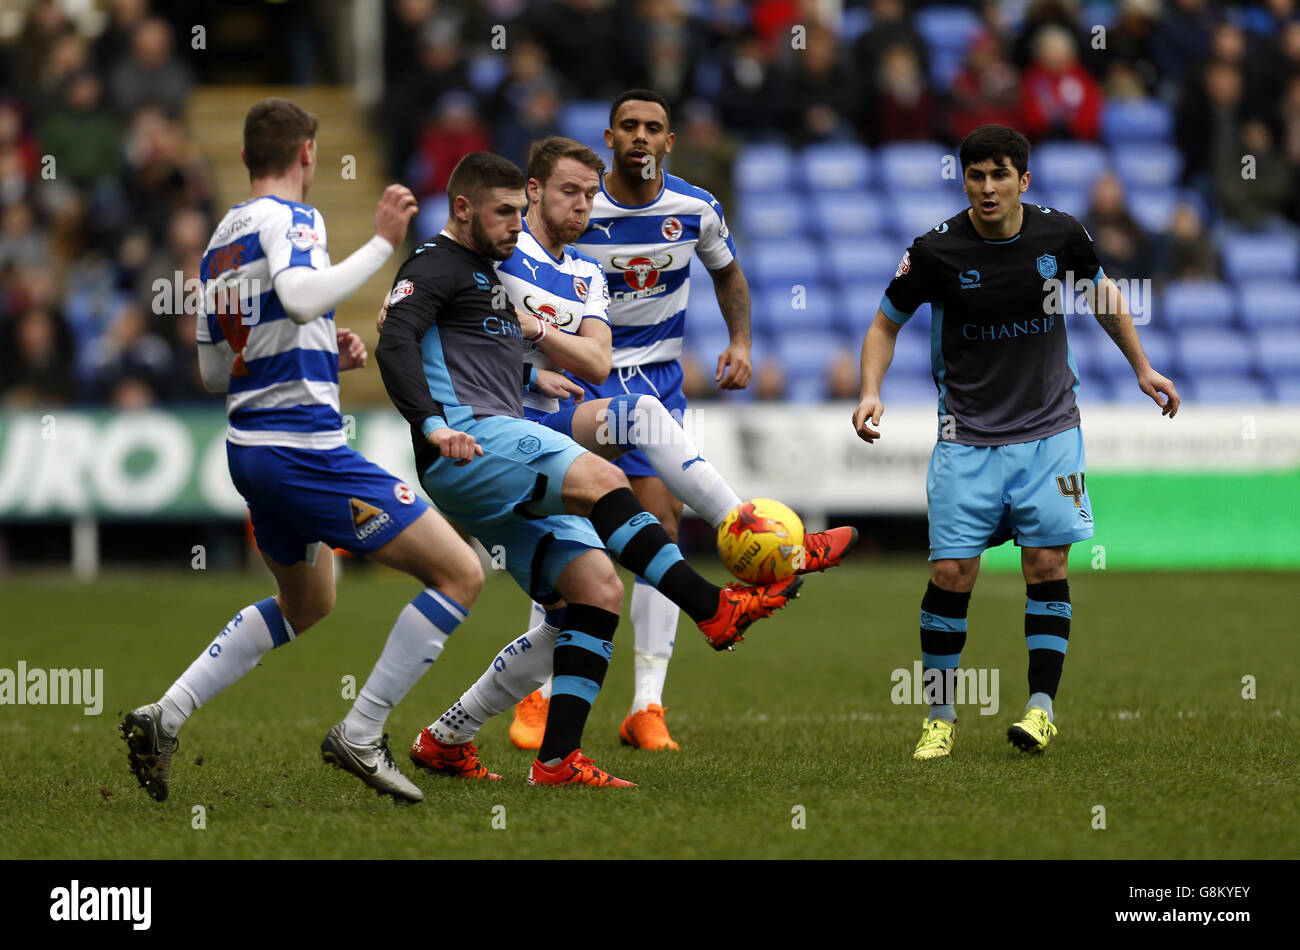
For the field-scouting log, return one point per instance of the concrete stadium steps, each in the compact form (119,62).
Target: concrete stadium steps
(216,122)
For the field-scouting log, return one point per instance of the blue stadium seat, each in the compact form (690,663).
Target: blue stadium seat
(1147,164)
(1073,201)
(911,354)
(764,167)
(915,212)
(1269,304)
(818,310)
(1278,352)
(1154,207)
(773,215)
(789,262)
(833,167)
(863,267)
(1286,389)
(1124,390)
(1235,389)
(908,389)
(913,166)
(585,120)
(487,70)
(1136,120)
(1194,303)
(1272,255)
(848,214)
(1204,352)
(805,358)
(1069,164)
(947,28)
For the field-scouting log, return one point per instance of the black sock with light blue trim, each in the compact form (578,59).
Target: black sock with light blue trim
(943,635)
(1047,635)
(639,542)
(582,652)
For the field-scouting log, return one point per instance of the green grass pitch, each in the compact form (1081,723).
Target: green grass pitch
(791,746)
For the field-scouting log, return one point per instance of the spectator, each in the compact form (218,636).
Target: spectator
(1207,123)
(1053,15)
(1059,99)
(904,108)
(769,380)
(1180,41)
(439,69)
(455,132)
(845,376)
(1130,70)
(82,135)
(985,91)
(34,369)
(114,44)
(130,351)
(816,92)
(21,243)
(889,27)
(1187,253)
(747,89)
(153,74)
(1122,245)
(165,170)
(1255,200)
(1290,144)
(705,153)
(589,44)
(537,117)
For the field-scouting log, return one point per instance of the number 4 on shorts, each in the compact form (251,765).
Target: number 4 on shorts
(1072,486)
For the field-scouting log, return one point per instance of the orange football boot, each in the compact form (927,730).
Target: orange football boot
(823,549)
(575,769)
(738,607)
(457,761)
(529,724)
(646,729)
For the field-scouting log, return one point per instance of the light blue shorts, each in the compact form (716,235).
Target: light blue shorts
(510,499)
(1032,492)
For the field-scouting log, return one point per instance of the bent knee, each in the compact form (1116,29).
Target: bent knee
(305,612)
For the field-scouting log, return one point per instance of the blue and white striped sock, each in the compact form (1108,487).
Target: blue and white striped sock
(416,641)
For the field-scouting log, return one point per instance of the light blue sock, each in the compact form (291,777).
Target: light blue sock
(1042,701)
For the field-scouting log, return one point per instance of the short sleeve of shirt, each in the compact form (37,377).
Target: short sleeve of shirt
(598,297)
(294,236)
(914,282)
(715,247)
(1083,254)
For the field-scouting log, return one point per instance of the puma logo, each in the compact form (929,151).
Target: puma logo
(686,465)
(605,228)
(532,268)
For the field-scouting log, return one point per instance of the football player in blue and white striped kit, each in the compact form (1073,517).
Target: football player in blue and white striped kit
(268,339)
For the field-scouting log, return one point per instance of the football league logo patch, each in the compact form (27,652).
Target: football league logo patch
(904,265)
(403,289)
(1047,266)
(302,236)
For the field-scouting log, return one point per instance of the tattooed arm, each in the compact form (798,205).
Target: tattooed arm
(732,290)
(1112,313)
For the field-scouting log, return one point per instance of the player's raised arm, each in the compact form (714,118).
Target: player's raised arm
(305,283)
(877,354)
(1112,313)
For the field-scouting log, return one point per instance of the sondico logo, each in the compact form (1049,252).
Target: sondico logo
(75,903)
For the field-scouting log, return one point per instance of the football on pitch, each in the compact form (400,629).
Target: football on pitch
(761,541)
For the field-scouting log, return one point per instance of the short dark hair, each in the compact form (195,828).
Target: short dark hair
(640,95)
(479,172)
(995,142)
(274,129)
(543,156)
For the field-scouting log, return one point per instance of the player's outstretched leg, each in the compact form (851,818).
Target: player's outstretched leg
(597,490)
(429,550)
(306,594)
(529,722)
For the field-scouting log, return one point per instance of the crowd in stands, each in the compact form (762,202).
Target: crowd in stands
(1204,85)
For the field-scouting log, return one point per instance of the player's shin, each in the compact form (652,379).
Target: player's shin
(1047,635)
(943,635)
(522,666)
(639,542)
(250,635)
(654,629)
(641,422)
(582,652)
(415,643)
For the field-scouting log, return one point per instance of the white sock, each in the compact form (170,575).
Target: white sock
(521,666)
(677,460)
(416,641)
(251,634)
(654,626)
